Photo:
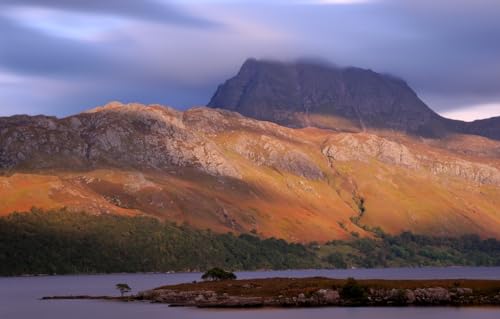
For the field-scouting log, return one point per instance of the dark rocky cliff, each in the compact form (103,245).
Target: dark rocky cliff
(313,94)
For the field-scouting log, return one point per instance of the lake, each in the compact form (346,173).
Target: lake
(19,296)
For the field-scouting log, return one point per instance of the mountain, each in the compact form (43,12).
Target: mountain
(487,127)
(213,168)
(351,99)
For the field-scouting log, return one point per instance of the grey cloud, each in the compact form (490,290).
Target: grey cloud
(447,50)
(147,10)
(459,39)
(83,94)
(28,51)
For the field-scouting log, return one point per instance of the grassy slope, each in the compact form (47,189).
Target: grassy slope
(271,201)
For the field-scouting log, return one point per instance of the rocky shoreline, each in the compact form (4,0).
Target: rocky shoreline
(323,297)
(318,292)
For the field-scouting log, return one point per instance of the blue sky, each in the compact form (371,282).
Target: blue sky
(61,57)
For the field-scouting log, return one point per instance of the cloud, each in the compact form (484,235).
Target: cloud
(456,49)
(146,10)
(445,49)
(66,73)
(29,51)
(338,2)
(178,52)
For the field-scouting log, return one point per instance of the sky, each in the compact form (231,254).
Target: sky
(60,57)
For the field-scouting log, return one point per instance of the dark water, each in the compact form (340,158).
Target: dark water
(19,297)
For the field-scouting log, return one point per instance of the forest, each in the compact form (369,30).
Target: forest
(63,242)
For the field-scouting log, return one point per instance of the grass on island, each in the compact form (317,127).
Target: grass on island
(290,287)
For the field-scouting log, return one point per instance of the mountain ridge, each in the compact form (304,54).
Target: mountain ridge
(217,169)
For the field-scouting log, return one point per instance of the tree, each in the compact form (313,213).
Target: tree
(337,260)
(217,274)
(124,288)
(352,290)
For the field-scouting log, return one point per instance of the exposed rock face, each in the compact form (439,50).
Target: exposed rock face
(312,94)
(116,135)
(273,153)
(478,173)
(349,147)
(355,147)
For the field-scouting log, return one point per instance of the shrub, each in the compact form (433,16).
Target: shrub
(337,260)
(352,290)
(123,288)
(217,274)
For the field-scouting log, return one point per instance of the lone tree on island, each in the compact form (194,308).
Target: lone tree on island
(124,288)
(218,274)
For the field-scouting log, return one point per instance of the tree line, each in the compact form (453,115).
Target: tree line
(63,242)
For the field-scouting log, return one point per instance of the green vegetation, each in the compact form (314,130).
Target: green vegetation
(409,249)
(352,290)
(123,288)
(360,203)
(61,242)
(217,274)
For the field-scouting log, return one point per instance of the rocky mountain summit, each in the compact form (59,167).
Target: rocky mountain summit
(350,99)
(213,168)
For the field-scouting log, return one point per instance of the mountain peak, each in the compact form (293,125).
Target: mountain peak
(313,93)
(108,106)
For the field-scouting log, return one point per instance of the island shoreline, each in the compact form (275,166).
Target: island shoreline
(317,292)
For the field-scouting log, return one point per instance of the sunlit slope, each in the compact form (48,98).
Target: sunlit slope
(219,170)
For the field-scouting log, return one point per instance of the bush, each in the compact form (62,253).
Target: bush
(352,290)
(123,288)
(336,260)
(217,274)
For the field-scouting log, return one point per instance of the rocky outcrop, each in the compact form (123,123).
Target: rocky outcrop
(131,135)
(274,153)
(475,172)
(349,147)
(160,138)
(346,147)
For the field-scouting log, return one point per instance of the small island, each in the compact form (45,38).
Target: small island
(319,292)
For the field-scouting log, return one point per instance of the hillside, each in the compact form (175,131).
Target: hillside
(217,169)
